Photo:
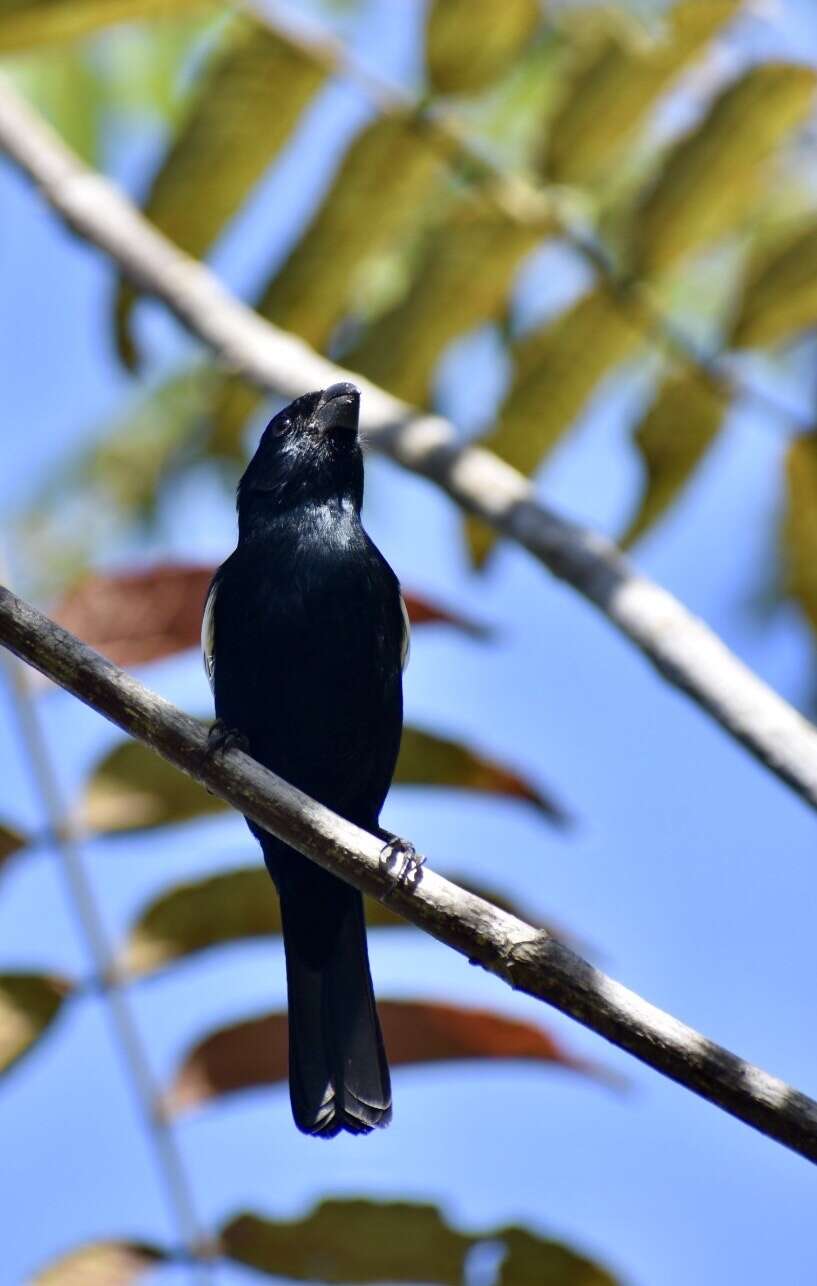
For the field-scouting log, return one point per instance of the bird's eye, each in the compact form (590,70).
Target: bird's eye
(283,426)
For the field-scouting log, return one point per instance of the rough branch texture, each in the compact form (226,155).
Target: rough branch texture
(680,646)
(525,957)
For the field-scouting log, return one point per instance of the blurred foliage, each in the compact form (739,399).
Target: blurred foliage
(536,123)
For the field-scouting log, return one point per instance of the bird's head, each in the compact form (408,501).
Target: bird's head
(309,451)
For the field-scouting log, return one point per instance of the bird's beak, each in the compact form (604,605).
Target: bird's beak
(338,408)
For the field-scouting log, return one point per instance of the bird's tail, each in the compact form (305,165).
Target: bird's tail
(338,1073)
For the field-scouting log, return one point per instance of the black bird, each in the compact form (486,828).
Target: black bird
(305,635)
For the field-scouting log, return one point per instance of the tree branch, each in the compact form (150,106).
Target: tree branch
(681,647)
(527,958)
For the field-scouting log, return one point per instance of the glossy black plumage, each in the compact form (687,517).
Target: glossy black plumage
(304,631)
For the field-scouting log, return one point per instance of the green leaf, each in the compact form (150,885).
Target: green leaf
(115,1263)
(707,184)
(367,1242)
(468,45)
(26,23)
(376,196)
(29,1003)
(11,841)
(557,368)
(234,906)
(221,150)
(64,86)
(133,788)
(461,281)
(779,293)
(799,529)
(672,440)
(117,480)
(614,85)
(255,1053)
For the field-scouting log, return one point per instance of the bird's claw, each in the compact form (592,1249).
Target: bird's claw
(221,738)
(401,854)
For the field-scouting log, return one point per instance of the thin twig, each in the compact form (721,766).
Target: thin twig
(67,838)
(681,647)
(529,959)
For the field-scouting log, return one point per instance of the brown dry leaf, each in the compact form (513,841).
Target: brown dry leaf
(29,1003)
(11,841)
(107,1263)
(255,1053)
(133,617)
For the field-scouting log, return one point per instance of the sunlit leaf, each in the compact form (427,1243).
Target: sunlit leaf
(470,44)
(65,87)
(29,1003)
(615,84)
(106,1263)
(711,177)
(672,440)
(25,23)
(428,760)
(246,106)
(256,1053)
(461,282)
(799,531)
(234,906)
(133,788)
(118,480)
(779,293)
(557,368)
(11,842)
(383,180)
(367,1242)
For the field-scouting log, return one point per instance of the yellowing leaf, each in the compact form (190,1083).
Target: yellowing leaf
(710,178)
(246,106)
(106,1263)
(66,88)
(133,788)
(799,532)
(672,439)
(29,1003)
(255,1053)
(26,23)
(365,1242)
(779,294)
(461,282)
(614,86)
(470,43)
(383,181)
(234,906)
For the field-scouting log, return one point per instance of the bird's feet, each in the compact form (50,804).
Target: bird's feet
(400,860)
(221,738)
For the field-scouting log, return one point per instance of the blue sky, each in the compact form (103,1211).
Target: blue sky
(690,872)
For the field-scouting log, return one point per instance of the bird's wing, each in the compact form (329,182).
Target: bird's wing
(405,645)
(208,630)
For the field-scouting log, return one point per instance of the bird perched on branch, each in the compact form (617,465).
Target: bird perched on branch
(305,635)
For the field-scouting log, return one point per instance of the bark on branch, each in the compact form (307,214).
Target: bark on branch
(681,647)
(527,958)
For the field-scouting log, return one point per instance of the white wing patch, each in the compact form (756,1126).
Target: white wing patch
(208,635)
(405,645)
